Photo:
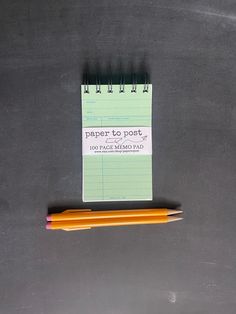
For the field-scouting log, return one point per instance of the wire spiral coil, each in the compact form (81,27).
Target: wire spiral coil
(121,84)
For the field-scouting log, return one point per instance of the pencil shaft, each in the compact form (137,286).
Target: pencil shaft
(83,214)
(105,222)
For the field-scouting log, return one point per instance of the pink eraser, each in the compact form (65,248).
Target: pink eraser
(48,226)
(49,218)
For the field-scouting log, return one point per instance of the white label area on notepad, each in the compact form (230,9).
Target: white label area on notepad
(117,140)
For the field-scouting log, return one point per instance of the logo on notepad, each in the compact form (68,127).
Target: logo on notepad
(122,140)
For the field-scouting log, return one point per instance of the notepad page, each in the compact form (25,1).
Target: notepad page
(110,177)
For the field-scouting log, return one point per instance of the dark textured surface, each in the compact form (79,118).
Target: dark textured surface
(187,267)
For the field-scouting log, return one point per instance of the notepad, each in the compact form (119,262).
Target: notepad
(117,144)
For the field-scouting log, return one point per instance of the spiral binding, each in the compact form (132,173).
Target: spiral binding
(98,85)
(86,85)
(145,88)
(134,84)
(122,85)
(109,86)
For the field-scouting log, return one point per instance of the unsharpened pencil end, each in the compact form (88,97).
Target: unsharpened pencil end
(48,226)
(49,218)
(172,219)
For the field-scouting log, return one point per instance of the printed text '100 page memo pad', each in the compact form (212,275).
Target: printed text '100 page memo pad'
(117,143)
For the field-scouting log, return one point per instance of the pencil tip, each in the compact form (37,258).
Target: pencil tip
(49,218)
(174,219)
(174,211)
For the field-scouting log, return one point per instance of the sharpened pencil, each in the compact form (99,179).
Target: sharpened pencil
(109,222)
(78,214)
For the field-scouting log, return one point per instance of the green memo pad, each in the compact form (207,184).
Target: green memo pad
(117,144)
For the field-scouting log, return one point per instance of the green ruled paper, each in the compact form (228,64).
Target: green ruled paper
(117,177)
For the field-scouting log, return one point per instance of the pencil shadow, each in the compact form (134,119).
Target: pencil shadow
(60,206)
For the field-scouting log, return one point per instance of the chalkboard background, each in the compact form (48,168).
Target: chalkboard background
(188,48)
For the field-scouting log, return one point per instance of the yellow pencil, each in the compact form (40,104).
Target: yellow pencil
(78,214)
(108,222)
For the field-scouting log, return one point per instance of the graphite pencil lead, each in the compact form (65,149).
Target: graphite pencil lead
(172,219)
(174,212)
